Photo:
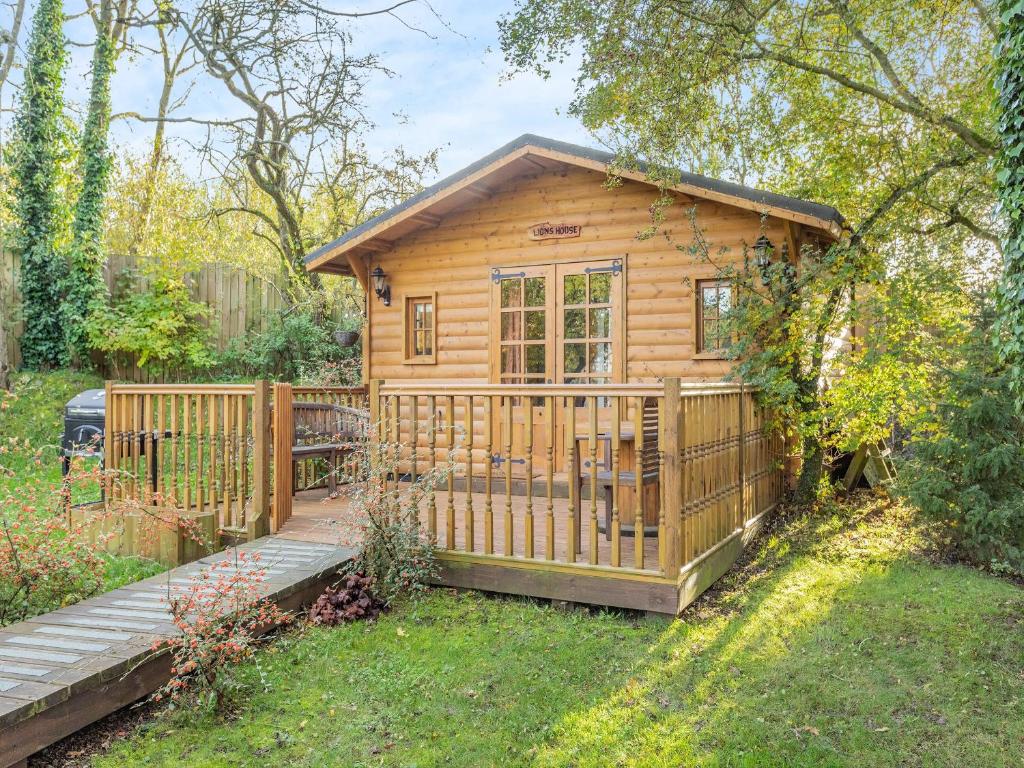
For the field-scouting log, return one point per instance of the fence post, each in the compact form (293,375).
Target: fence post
(283,429)
(260,523)
(672,478)
(108,441)
(742,458)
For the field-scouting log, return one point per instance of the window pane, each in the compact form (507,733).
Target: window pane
(511,292)
(601,357)
(510,359)
(511,326)
(575,289)
(418,342)
(575,324)
(710,300)
(710,340)
(601,288)
(428,314)
(535,362)
(724,300)
(535,324)
(535,292)
(575,358)
(428,343)
(601,323)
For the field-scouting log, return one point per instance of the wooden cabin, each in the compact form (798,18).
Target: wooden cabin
(568,373)
(524,273)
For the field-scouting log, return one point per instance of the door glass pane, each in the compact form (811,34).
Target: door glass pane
(601,288)
(575,327)
(510,359)
(535,292)
(511,292)
(601,357)
(575,358)
(535,354)
(601,323)
(535,324)
(575,291)
(511,329)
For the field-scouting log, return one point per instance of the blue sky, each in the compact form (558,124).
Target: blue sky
(450,86)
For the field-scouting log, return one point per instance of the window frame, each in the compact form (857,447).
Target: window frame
(714,353)
(408,329)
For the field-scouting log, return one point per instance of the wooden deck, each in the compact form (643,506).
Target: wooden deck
(66,669)
(315,519)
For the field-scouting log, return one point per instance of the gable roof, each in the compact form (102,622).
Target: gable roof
(528,152)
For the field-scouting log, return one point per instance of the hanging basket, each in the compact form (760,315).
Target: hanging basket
(346,338)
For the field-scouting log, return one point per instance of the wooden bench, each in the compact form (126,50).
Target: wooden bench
(327,431)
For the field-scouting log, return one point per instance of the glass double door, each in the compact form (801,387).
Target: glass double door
(555,324)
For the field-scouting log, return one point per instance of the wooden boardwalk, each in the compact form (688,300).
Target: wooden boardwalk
(66,669)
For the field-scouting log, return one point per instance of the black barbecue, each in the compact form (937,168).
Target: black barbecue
(83,426)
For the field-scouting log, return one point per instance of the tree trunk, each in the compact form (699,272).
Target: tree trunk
(811,467)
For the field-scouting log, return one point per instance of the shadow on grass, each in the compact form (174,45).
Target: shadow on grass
(835,645)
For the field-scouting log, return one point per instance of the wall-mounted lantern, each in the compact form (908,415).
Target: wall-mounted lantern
(380,285)
(763,257)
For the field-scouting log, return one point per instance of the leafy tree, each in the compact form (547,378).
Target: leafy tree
(40,151)
(881,109)
(1010,86)
(967,469)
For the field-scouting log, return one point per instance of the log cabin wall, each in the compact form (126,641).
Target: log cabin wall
(455,258)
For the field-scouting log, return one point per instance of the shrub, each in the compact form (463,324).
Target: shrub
(296,341)
(352,600)
(220,615)
(160,327)
(967,470)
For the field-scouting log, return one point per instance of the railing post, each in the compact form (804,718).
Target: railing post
(259,525)
(108,441)
(742,459)
(672,478)
(282,455)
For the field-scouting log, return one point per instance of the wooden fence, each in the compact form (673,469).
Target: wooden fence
(239,301)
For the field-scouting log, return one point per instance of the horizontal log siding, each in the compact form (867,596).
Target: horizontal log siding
(455,259)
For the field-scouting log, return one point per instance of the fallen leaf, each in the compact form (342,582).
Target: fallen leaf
(401,632)
(883,729)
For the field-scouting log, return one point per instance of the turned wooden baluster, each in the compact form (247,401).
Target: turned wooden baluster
(573,475)
(508,476)
(431,491)
(528,448)
(549,429)
(638,507)
(489,475)
(450,511)
(616,442)
(468,421)
(592,450)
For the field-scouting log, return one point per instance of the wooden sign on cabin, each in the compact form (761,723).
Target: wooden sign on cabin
(548,231)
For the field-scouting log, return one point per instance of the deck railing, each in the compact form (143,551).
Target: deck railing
(637,478)
(310,474)
(191,447)
(680,467)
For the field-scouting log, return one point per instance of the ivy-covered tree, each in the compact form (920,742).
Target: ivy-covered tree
(39,154)
(1010,87)
(85,287)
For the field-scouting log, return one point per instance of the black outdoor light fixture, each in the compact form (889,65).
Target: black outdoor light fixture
(380,286)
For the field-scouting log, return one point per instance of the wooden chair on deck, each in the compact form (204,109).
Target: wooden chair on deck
(645,471)
(327,431)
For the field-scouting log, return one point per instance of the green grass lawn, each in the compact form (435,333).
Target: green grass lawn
(838,643)
(33,411)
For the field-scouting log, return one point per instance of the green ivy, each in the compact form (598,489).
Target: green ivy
(85,290)
(39,153)
(1010,87)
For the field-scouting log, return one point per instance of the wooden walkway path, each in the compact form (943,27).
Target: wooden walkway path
(64,670)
